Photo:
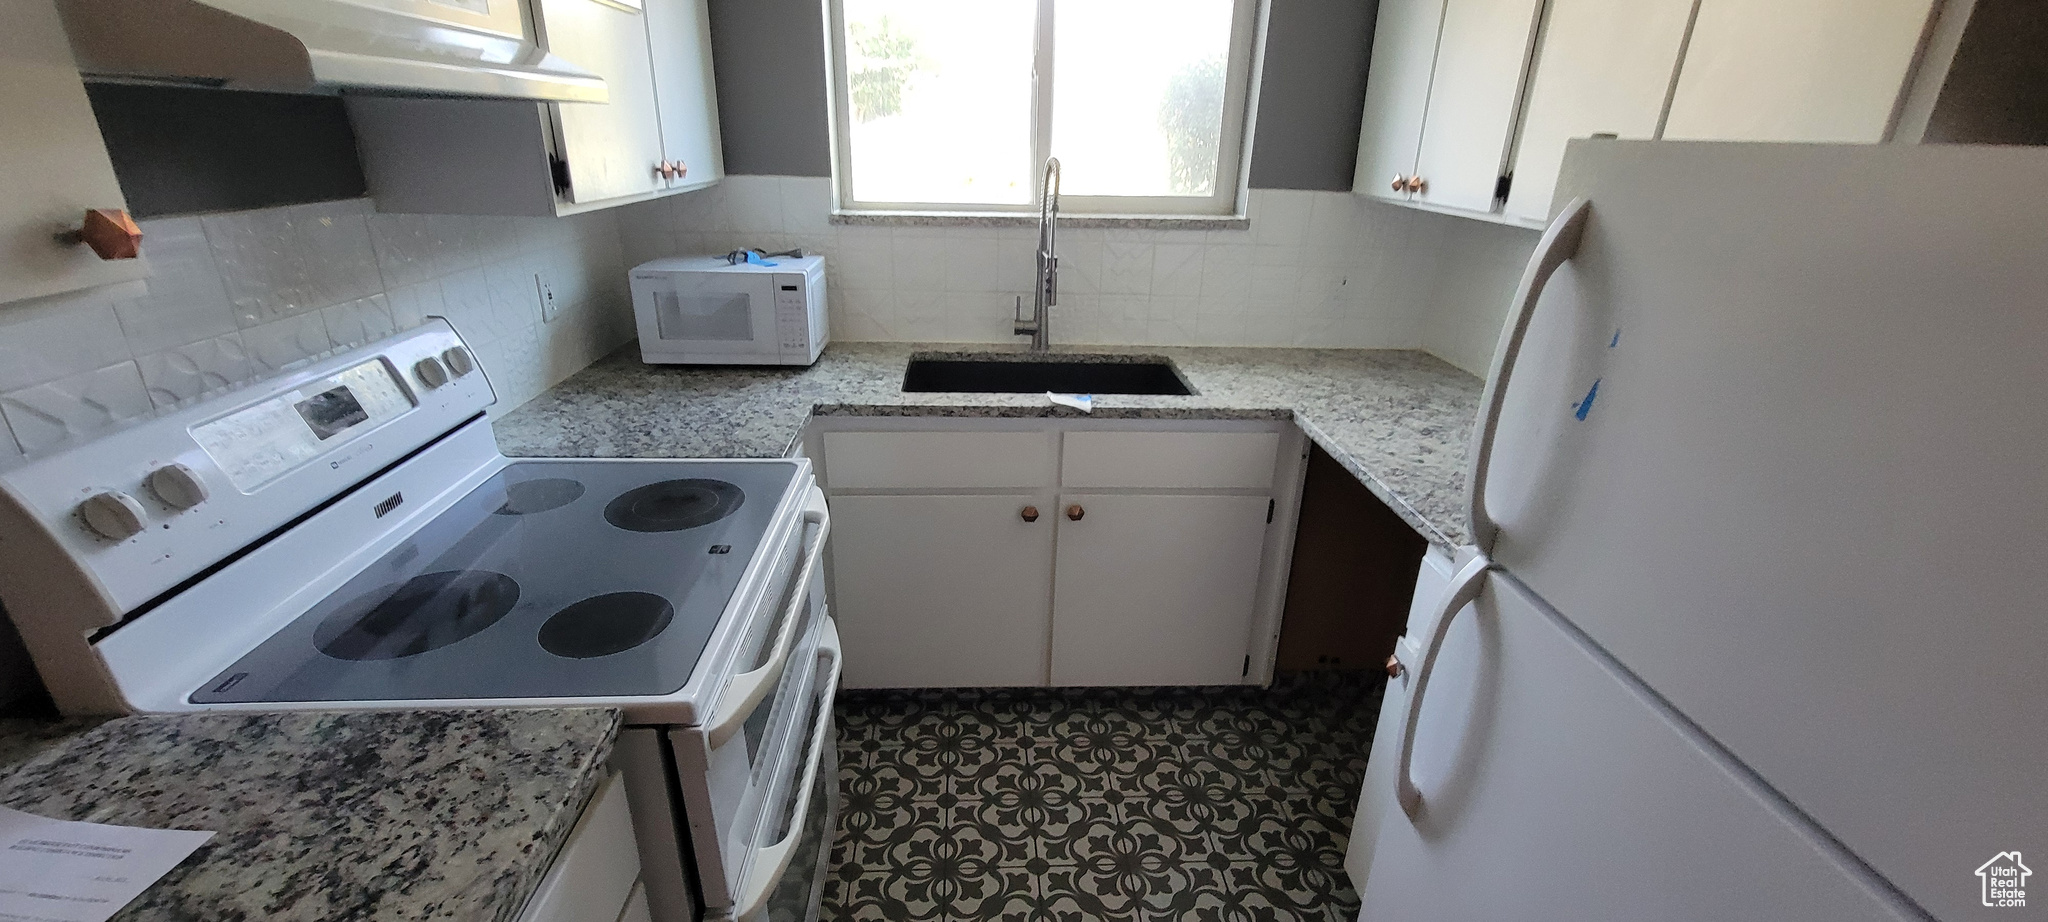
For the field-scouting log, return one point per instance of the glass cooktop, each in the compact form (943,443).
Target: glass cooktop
(552,579)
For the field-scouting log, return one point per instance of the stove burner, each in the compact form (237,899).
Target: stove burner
(425,613)
(606,624)
(673,505)
(530,496)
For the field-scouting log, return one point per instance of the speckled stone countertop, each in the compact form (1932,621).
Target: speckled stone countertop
(393,815)
(1398,420)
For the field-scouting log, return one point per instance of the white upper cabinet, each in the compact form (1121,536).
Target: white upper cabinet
(1480,60)
(611,150)
(1466,93)
(657,135)
(57,165)
(1440,99)
(1814,70)
(679,39)
(1605,68)
(1390,134)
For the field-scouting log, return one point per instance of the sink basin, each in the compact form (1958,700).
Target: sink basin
(1120,375)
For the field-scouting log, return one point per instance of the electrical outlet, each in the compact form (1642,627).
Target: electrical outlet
(549,307)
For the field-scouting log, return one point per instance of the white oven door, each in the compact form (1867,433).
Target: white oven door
(784,876)
(731,770)
(707,314)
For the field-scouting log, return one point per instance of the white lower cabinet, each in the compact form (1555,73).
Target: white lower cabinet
(1155,590)
(975,553)
(939,591)
(596,875)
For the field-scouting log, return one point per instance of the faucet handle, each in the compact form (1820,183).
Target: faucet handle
(1023,327)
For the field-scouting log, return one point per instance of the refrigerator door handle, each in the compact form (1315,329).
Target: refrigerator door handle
(1560,242)
(1464,590)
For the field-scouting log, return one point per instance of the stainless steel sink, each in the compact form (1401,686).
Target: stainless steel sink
(998,374)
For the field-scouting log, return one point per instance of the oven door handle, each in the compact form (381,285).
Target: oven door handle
(746,690)
(772,861)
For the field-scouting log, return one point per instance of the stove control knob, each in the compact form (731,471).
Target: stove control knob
(458,361)
(177,485)
(112,514)
(430,372)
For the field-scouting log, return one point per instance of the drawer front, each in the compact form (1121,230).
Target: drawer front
(1170,460)
(937,460)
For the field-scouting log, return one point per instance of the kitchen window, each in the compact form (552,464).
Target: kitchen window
(944,106)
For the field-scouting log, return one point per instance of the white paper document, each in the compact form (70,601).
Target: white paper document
(61,871)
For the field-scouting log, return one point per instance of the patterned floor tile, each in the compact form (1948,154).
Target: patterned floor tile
(1203,798)
(920,895)
(1101,804)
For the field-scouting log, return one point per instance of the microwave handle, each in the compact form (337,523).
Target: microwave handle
(772,861)
(746,690)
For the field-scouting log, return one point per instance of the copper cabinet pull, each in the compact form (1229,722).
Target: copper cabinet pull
(1400,183)
(1417,184)
(1075,512)
(1030,513)
(109,231)
(682,169)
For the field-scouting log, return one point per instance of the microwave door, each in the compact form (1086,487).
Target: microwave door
(713,314)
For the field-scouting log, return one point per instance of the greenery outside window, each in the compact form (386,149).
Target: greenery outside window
(945,106)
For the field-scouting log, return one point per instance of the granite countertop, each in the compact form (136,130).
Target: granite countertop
(1398,420)
(361,815)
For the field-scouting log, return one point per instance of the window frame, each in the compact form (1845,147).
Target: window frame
(1233,161)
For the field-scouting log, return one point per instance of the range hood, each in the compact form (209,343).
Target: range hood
(403,47)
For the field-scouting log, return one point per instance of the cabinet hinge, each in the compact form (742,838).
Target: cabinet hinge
(1501,185)
(1247,667)
(1269,511)
(558,169)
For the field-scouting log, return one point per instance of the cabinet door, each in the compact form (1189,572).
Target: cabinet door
(58,165)
(1604,66)
(679,42)
(1815,70)
(1155,590)
(1396,92)
(1580,799)
(1480,62)
(937,591)
(612,149)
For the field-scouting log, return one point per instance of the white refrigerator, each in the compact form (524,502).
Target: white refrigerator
(1755,623)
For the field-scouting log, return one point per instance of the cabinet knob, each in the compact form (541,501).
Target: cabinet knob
(1417,184)
(1029,513)
(109,231)
(682,169)
(1395,667)
(1400,182)
(1075,512)
(666,169)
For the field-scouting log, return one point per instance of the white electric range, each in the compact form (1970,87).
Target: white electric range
(348,536)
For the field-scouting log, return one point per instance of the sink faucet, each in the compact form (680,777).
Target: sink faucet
(1045,290)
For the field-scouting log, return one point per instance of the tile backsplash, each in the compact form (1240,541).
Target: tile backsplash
(240,296)
(1315,269)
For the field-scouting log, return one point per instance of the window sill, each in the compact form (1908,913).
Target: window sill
(1014,219)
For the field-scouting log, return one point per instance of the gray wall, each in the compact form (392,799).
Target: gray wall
(770,61)
(1317,52)
(772,109)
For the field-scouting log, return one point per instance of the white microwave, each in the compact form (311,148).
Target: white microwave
(702,310)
